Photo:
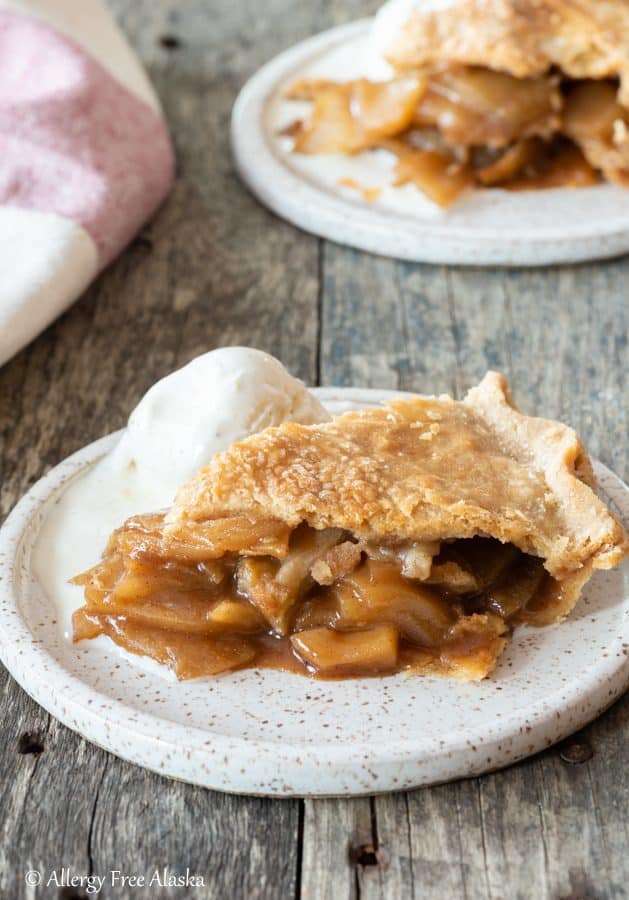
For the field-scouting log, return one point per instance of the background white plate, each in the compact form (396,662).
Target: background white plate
(490,227)
(274,733)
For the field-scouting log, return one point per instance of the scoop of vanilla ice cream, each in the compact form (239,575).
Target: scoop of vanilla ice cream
(218,398)
(179,424)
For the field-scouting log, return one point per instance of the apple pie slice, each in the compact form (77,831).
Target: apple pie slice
(410,536)
(507,93)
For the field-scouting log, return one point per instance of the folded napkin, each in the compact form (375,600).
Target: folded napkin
(85,156)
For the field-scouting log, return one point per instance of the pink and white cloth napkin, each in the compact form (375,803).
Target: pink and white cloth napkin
(85,156)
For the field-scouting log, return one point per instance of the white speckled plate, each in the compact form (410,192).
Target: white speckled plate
(490,227)
(266,732)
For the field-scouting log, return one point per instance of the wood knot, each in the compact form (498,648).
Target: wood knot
(575,752)
(30,743)
(170,42)
(368,857)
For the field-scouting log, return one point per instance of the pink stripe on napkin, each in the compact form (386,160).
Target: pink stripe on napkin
(73,140)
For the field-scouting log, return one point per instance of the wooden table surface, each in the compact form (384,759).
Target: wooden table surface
(214,268)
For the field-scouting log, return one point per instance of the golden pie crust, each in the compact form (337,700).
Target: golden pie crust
(428,469)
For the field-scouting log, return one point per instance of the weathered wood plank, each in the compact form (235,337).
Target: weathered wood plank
(335,834)
(538,829)
(568,344)
(213,268)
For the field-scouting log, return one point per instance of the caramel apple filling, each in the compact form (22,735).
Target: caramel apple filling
(252,592)
(456,126)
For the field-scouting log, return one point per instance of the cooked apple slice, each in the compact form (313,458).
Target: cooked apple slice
(512,162)
(331,652)
(235,616)
(256,580)
(596,121)
(185,611)
(590,111)
(187,655)
(143,536)
(517,590)
(478,107)
(275,587)
(353,116)
(307,546)
(377,592)
(438,175)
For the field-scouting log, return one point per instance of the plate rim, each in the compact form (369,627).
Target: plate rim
(24,659)
(260,166)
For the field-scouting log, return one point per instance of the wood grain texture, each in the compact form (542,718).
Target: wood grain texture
(214,268)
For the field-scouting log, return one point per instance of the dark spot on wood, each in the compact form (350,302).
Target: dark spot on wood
(30,742)
(575,752)
(170,42)
(368,857)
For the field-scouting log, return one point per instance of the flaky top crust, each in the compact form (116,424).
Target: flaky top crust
(421,469)
(583,38)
